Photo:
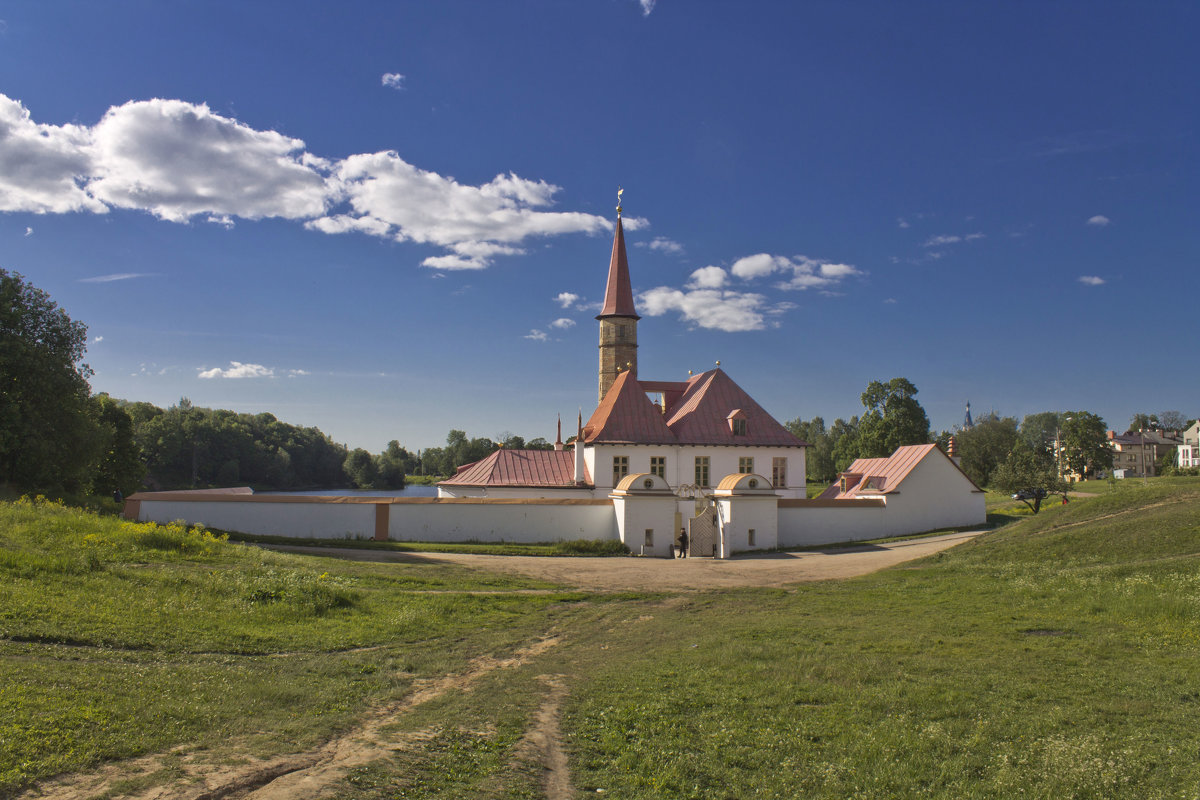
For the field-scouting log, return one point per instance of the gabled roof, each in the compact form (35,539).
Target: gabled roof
(698,415)
(701,415)
(627,415)
(618,294)
(529,468)
(871,476)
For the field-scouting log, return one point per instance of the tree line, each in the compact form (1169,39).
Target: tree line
(56,436)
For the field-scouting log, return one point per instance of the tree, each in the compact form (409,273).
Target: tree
(1085,446)
(121,467)
(1029,470)
(360,469)
(985,447)
(1039,431)
(818,458)
(1144,422)
(844,436)
(894,419)
(47,437)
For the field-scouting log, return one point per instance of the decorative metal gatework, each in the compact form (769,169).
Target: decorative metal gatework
(702,532)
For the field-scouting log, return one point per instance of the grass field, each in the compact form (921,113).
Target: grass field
(1056,657)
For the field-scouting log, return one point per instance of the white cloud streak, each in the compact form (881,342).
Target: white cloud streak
(563,323)
(566,299)
(938,241)
(1099,221)
(238,370)
(1091,280)
(537,336)
(662,244)
(647,6)
(119,276)
(393,80)
(179,161)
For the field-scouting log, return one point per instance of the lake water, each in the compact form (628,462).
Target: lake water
(407,491)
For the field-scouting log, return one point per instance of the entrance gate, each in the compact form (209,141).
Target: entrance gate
(702,532)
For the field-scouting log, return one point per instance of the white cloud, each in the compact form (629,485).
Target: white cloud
(901,222)
(238,370)
(40,165)
(537,336)
(296,373)
(647,6)
(179,160)
(562,323)
(1099,221)
(663,245)
(709,278)
(938,241)
(119,276)
(390,197)
(393,80)
(28,231)
(805,272)
(566,299)
(708,308)
(97,339)
(890,301)
(1091,280)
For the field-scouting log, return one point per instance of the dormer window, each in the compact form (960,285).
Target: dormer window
(737,422)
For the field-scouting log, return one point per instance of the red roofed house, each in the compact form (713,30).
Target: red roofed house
(701,430)
(921,487)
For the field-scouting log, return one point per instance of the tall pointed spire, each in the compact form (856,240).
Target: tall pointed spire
(618,294)
(618,316)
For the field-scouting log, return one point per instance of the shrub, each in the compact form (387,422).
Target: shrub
(590,547)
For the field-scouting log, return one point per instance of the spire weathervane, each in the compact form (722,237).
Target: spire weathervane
(620,192)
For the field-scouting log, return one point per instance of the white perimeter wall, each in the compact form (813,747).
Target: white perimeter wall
(484,521)
(421,519)
(301,520)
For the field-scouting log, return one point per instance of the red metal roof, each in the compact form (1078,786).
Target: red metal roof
(627,415)
(697,414)
(618,294)
(868,476)
(701,415)
(532,468)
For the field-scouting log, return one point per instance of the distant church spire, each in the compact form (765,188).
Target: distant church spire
(968,423)
(618,317)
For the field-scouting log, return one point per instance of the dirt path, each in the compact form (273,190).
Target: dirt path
(304,776)
(690,574)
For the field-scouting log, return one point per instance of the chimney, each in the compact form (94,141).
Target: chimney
(579,480)
(558,443)
(952,451)
(1112,435)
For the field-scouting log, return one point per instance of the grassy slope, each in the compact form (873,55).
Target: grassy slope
(1057,657)
(118,638)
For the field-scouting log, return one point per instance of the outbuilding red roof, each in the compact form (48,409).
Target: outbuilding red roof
(618,294)
(698,413)
(525,468)
(871,476)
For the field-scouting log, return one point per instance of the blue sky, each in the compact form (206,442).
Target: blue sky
(391,219)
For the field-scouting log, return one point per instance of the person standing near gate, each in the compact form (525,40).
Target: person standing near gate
(683,543)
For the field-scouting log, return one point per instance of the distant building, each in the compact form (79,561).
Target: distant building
(1137,453)
(1188,452)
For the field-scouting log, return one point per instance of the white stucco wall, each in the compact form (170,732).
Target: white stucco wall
(934,495)
(635,515)
(806,523)
(505,492)
(302,519)
(495,521)
(740,514)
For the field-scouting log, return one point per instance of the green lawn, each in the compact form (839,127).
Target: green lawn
(1056,657)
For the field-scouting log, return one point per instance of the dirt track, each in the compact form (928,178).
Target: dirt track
(640,574)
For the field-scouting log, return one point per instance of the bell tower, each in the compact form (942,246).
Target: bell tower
(618,318)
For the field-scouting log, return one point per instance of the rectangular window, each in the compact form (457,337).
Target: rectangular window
(750,537)
(739,427)
(702,470)
(649,537)
(620,468)
(745,465)
(779,473)
(658,466)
